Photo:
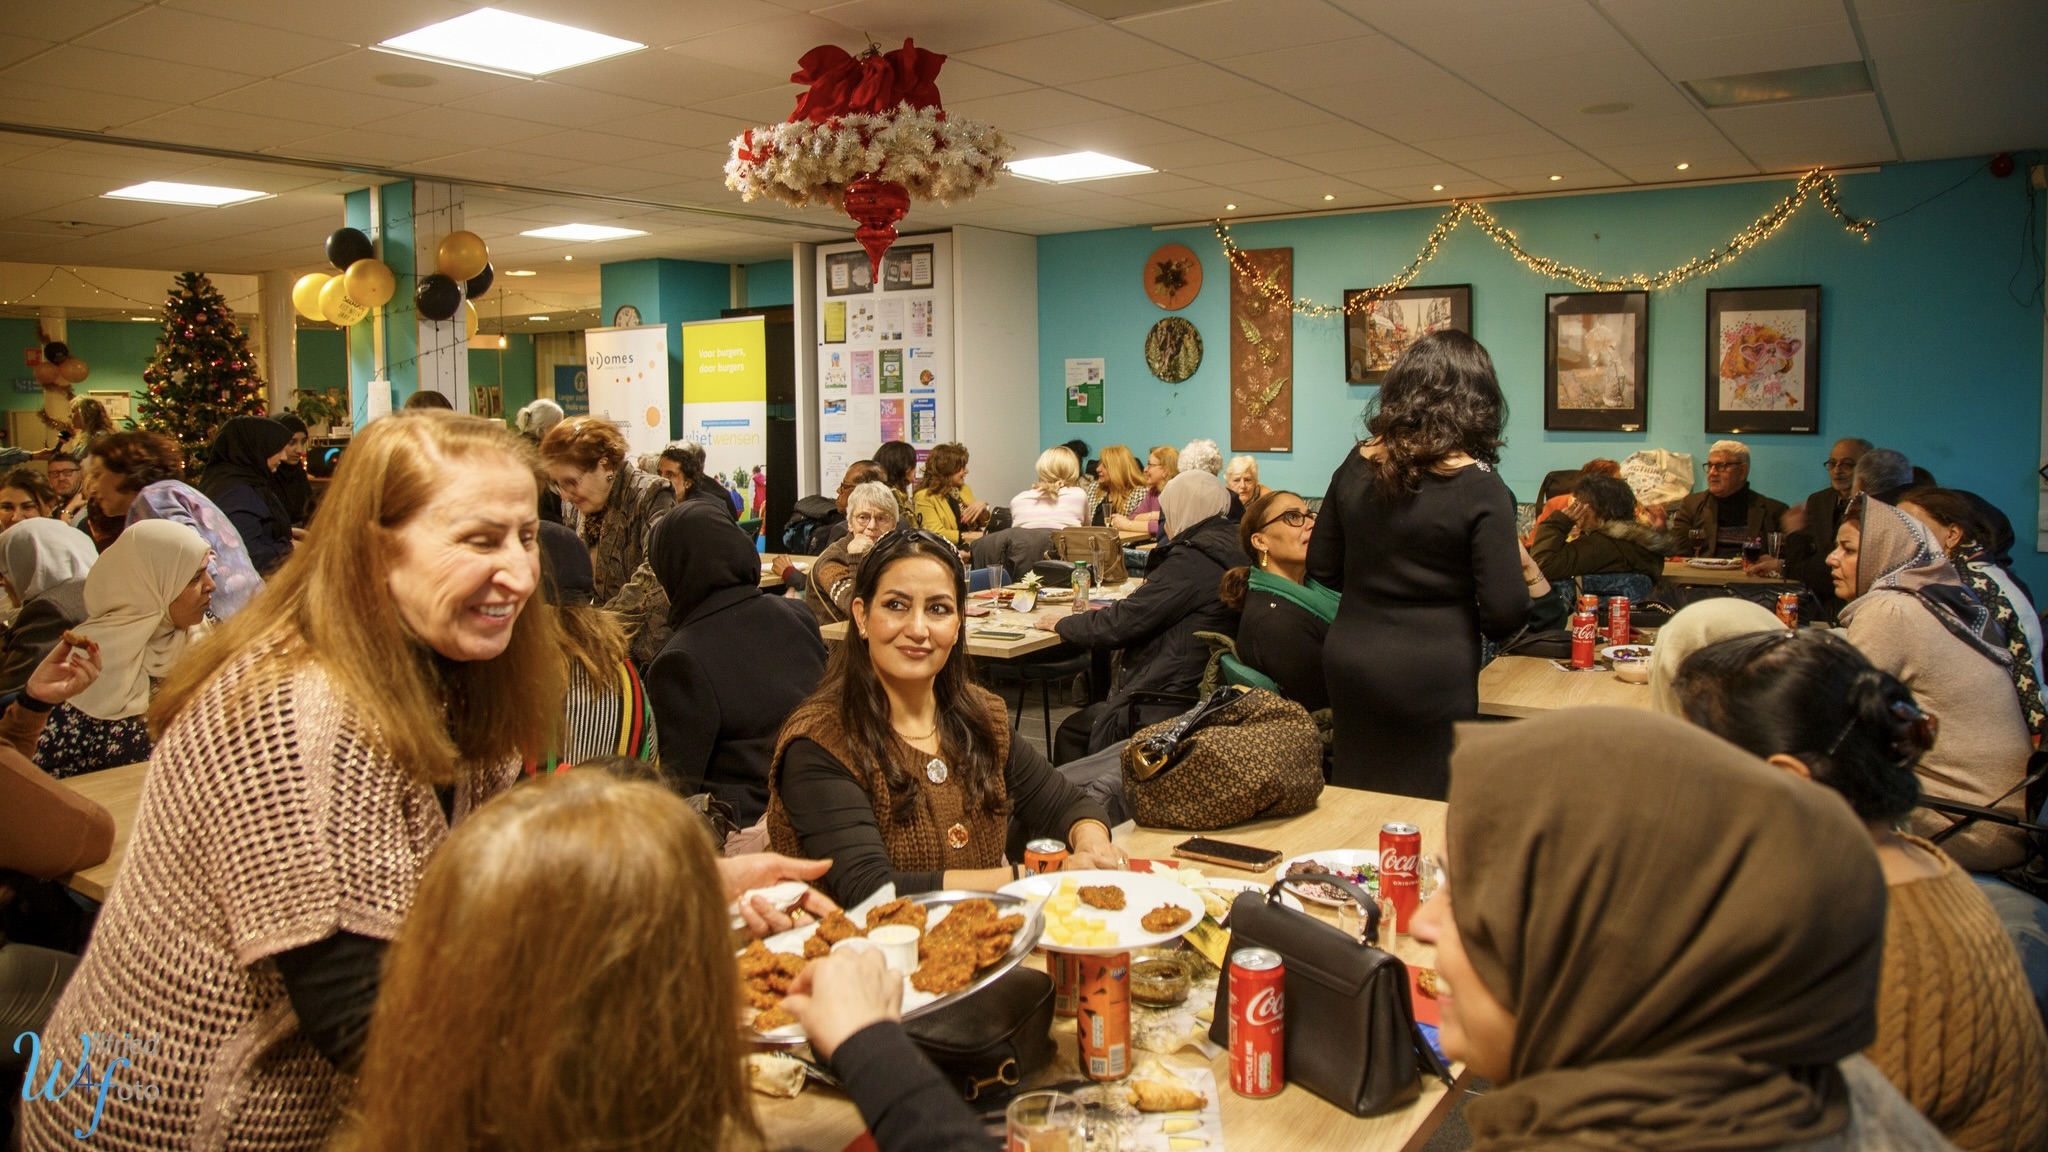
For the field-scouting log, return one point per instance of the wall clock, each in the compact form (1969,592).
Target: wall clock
(627,316)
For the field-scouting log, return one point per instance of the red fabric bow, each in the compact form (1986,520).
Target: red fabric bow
(841,82)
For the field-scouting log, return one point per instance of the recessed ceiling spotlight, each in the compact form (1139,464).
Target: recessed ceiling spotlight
(568,257)
(506,43)
(1075,166)
(523,272)
(1608,109)
(1683,167)
(1328,196)
(1230,207)
(584,232)
(1436,187)
(189,195)
(1555,179)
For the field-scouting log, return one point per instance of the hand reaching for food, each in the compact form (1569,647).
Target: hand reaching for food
(842,993)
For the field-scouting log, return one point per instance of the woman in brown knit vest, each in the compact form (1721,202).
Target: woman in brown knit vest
(899,768)
(1957,1031)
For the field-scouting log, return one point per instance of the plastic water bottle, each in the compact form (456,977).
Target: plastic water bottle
(1082,579)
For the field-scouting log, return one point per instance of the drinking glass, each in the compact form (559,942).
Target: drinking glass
(1752,550)
(1774,543)
(1698,538)
(1045,1122)
(1352,919)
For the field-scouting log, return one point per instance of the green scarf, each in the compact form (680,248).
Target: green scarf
(1312,597)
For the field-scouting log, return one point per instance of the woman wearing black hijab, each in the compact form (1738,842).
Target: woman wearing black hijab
(241,477)
(736,664)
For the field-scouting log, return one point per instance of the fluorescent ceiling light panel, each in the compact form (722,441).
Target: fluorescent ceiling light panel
(1075,166)
(1846,79)
(190,195)
(583,232)
(493,41)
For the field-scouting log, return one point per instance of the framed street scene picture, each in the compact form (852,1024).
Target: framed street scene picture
(1376,334)
(1763,359)
(1596,361)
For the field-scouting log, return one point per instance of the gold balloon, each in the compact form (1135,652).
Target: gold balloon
(461,256)
(337,307)
(306,295)
(370,283)
(46,373)
(468,320)
(74,370)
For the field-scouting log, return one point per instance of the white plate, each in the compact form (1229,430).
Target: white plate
(1642,651)
(1232,885)
(1143,892)
(1347,859)
(916,1003)
(1717,563)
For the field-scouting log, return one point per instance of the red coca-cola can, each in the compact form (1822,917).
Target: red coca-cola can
(1258,1022)
(1066,982)
(1788,609)
(1102,1020)
(1401,871)
(1042,856)
(1618,631)
(1585,631)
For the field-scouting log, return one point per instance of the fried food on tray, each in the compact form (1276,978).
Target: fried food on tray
(901,910)
(755,959)
(989,949)
(1426,981)
(1108,897)
(1165,918)
(815,946)
(1157,1096)
(760,995)
(772,1018)
(836,927)
(765,975)
(943,972)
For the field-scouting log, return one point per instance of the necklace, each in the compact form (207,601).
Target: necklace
(935,769)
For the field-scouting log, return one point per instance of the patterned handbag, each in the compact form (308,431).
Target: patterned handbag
(1242,754)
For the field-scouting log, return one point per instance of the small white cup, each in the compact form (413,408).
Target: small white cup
(898,943)
(854,945)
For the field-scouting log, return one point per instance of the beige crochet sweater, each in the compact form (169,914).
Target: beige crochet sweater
(269,819)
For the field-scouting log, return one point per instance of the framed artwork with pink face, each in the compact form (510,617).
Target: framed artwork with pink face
(1763,360)
(1596,364)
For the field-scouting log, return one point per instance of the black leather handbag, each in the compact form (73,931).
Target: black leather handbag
(989,1043)
(1351,1036)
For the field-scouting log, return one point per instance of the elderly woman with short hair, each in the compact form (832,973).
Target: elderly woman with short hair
(870,514)
(614,508)
(1242,478)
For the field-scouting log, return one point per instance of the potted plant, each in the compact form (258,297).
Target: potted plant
(319,410)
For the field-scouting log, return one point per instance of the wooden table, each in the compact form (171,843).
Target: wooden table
(772,566)
(1530,685)
(1004,620)
(1294,1121)
(1679,572)
(119,791)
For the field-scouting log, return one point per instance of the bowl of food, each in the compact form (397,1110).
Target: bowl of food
(1160,981)
(1631,661)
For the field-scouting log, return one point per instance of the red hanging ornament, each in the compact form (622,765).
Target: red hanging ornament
(877,205)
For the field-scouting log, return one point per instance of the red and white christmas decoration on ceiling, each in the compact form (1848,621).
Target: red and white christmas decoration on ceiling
(868,136)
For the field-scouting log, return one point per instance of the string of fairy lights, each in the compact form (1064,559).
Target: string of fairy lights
(1815,185)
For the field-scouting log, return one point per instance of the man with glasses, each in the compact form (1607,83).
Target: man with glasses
(64,479)
(1810,528)
(1716,521)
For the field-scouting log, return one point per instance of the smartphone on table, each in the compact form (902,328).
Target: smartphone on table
(1241,856)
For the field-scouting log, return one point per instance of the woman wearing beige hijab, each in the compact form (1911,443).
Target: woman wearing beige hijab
(1667,946)
(143,598)
(1692,628)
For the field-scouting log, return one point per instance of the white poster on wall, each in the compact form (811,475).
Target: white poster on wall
(628,369)
(885,351)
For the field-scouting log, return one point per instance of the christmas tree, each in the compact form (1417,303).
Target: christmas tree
(202,372)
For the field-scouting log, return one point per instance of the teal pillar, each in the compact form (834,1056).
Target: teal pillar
(672,293)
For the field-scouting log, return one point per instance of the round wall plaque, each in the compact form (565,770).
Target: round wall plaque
(1173,350)
(1173,276)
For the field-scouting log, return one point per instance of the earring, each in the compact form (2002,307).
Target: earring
(1262,557)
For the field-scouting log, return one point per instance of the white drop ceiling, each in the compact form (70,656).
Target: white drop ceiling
(1272,105)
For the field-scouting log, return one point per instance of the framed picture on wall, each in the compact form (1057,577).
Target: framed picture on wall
(849,274)
(1763,360)
(1376,334)
(1596,361)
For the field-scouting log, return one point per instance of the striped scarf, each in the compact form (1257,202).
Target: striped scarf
(1972,561)
(617,722)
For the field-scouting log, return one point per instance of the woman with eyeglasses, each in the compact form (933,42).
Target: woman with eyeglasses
(1284,615)
(1663,945)
(899,768)
(870,514)
(614,507)
(1418,533)
(1910,613)
(1957,1030)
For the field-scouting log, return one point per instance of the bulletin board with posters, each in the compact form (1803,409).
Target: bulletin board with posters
(885,350)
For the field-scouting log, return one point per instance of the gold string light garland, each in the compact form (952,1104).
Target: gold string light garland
(1816,184)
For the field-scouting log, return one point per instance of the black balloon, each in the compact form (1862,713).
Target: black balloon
(56,352)
(438,297)
(345,246)
(479,284)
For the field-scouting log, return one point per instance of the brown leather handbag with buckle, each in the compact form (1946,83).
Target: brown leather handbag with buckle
(989,1043)
(1242,754)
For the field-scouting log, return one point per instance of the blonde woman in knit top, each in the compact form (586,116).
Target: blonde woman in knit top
(1057,499)
(1957,1031)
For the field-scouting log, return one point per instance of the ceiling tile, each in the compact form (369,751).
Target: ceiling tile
(668,78)
(71,18)
(1236,27)
(357,72)
(654,24)
(95,111)
(15,49)
(208,41)
(1114,136)
(1736,37)
(951,26)
(1845,130)
(1240,171)
(1490,145)
(1271,110)
(1174,157)
(557,104)
(469,129)
(761,106)
(94,70)
(1577,169)
(770,47)
(1169,88)
(1037,108)
(680,127)
(360,22)
(361,146)
(1342,162)
(221,128)
(1076,54)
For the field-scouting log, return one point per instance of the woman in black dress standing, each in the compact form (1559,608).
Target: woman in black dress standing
(1418,533)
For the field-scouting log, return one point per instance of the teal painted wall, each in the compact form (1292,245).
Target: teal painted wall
(322,358)
(117,351)
(1924,347)
(770,283)
(671,292)
(510,368)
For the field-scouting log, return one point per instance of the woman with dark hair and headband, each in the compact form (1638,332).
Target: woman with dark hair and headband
(1957,1031)
(607,712)
(1661,946)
